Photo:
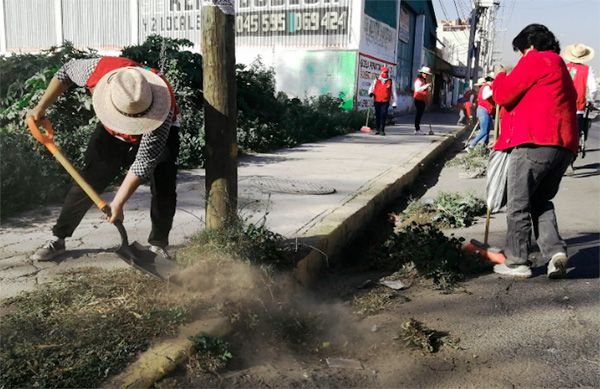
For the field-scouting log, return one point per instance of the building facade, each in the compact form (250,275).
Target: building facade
(315,46)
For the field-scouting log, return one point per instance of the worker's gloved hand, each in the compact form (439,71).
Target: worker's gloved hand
(394,105)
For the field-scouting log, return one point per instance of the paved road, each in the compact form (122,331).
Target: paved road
(535,332)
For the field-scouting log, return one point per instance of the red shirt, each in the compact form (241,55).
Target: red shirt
(539,98)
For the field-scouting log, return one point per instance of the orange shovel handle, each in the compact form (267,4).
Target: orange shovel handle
(47,140)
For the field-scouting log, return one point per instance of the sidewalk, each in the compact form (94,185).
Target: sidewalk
(366,171)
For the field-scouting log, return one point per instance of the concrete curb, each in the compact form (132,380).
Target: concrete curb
(161,359)
(343,225)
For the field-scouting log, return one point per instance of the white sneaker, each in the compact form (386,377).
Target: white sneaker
(519,271)
(557,267)
(160,251)
(50,250)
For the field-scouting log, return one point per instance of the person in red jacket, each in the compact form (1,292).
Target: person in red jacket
(421,94)
(383,91)
(539,129)
(138,130)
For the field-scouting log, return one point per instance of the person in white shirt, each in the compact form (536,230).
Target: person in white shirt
(421,94)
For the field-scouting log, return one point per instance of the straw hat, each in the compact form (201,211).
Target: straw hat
(480,81)
(425,69)
(132,100)
(578,53)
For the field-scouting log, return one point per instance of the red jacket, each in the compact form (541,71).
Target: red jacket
(539,98)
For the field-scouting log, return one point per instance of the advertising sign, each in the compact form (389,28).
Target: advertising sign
(368,70)
(378,39)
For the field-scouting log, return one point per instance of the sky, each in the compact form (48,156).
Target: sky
(571,21)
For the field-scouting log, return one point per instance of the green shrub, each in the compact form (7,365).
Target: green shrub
(266,120)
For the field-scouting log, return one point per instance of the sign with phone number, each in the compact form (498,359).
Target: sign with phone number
(321,21)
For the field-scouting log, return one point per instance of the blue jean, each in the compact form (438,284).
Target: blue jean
(533,177)
(485,125)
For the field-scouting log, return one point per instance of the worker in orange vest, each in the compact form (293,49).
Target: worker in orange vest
(422,91)
(584,80)
(383,91)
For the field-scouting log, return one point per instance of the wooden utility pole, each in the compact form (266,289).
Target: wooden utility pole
(220,112)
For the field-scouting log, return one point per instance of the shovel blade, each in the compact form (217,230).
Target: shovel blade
(150,263)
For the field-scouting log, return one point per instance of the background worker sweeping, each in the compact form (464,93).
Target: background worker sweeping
(138,129)
(485,109)
(383,90)
(422,91)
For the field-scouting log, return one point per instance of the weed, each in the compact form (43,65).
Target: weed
(474,161)
(416,334)
(210,354)
(375,300)
(447,210)
(425,251)
(84,327)
(253,243)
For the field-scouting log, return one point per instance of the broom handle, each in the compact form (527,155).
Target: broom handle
(367,121)
(488,213)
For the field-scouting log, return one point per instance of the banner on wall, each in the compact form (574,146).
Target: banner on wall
(378,39)
(404,27)
(368,70)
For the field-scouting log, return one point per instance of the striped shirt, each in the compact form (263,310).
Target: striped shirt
(152,145)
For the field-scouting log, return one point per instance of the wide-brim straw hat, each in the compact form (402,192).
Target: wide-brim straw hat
(578,53)
(425,69)
(480,81)
(132,100)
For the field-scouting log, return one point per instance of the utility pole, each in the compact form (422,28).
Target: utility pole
(470,50)
(220,111)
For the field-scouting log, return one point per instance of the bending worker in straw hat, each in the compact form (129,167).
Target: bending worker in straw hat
(138,130)
(422,91)
(583,78)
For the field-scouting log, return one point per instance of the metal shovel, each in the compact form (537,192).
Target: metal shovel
(133,254)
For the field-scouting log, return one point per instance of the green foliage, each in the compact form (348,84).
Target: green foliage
(83,328)
(266,120)
(253,243)
(448,210)
(212,347)
(456,211)
(475,161)
(425,251)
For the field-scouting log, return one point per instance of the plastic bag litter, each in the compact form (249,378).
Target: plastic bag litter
(497,172)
